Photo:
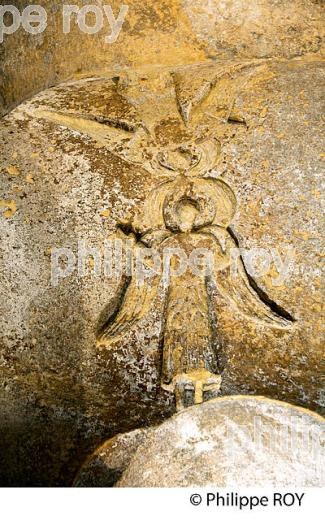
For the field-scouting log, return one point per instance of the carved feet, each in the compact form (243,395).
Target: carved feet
(194,387)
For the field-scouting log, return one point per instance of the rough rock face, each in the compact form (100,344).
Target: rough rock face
(106,465)
(231,441)
(168,32)
(78,163)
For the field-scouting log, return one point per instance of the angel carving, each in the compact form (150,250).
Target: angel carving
(190,214)
(187,211)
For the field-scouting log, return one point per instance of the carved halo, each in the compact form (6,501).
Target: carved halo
(213,198)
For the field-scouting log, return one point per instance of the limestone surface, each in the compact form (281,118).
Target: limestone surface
(168,32)
(79,162)
(106,465)
(230,441)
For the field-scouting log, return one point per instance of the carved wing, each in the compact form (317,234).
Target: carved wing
(238,287)
(137,300)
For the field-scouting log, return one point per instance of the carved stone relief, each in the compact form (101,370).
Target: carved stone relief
(222,158)
(189,211)
(188,215)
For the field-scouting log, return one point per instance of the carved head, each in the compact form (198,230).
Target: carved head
(187,204)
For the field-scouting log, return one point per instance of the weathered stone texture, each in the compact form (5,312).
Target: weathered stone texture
(78,161)
(169,32)
(240,441)
(62,182)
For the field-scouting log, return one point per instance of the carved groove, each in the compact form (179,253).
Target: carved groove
(189,210)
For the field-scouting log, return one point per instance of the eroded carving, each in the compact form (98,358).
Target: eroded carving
(189,211)
(190,214)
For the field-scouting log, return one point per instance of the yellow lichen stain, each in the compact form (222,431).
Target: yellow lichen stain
(11,205)
(264,111)
(318,282)
(316,193)
(252,326)
(106,213)
(303,234)
(29,179)
(14,155)
(265,164)
(265,75)
(12,170)
(271,277)
(34,155)
(17,189)
(51,149)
